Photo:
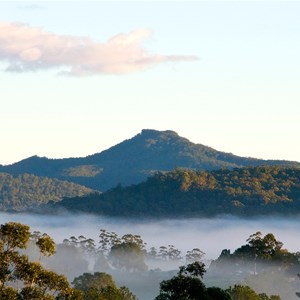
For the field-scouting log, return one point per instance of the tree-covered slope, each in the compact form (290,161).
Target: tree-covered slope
(133,160)
(23,191)
(186,193)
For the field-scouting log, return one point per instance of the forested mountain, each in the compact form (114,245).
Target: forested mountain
(185,193)
(23,191)
(133,160)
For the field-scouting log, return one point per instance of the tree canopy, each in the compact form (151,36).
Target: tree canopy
(181,192)
(19,193)
(36,281)
(187,285)
(100,286)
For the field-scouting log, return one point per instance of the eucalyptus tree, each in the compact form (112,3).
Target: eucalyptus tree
(187,285)
(101,286)
(22,279)
(194,255)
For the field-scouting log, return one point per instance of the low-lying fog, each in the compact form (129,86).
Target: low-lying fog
(209,235)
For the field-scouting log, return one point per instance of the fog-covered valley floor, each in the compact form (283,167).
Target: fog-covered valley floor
(210,235)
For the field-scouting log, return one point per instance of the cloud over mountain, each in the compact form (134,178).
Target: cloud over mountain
(28,48)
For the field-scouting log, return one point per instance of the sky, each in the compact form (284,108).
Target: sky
(78,77)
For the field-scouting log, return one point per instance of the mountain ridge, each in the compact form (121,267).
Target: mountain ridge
(133,160)
(248,191)
(20,192)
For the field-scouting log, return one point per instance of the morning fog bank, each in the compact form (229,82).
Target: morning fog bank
(211,235)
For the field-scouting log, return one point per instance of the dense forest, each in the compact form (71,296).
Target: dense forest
(247,191)
(134,160)
(33,266)
(17,193)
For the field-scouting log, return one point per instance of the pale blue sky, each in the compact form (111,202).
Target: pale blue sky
(241,95)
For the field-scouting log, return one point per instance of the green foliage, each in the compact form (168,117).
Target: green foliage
(17,270)
(126,294)
(8,293)
(246,191)
(258,254)
(46,245)
(100,286)
(261,264)
(125,253)
(24,191)
(128,256)
(196,269)
(98,280)
(181,287)
(241,292)
(264,247)
(187,285)
(14,235)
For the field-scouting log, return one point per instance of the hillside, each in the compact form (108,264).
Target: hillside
(23,191)
(247,191)
(133,160)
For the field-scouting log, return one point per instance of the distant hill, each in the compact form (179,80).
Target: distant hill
(249,191)
(133,160)
(23,191)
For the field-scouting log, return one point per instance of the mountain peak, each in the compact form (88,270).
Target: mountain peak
(151,137)
(153,132)
(133,160)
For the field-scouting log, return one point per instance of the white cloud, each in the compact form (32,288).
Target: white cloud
(31,48)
